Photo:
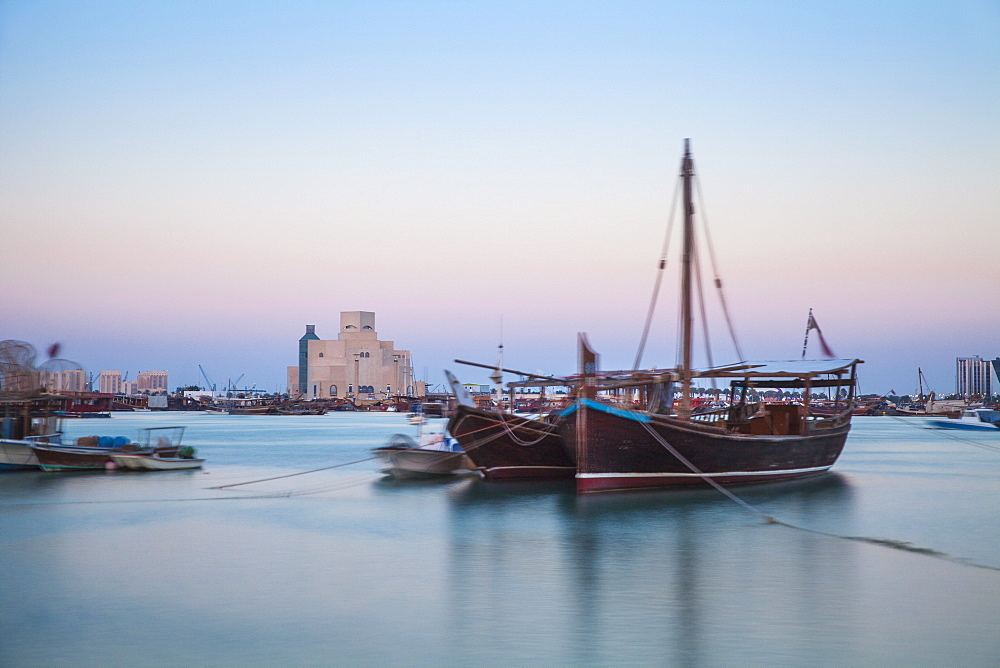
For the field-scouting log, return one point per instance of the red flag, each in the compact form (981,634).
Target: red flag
(822,342)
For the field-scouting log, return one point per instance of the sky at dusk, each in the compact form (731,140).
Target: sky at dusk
(187,183)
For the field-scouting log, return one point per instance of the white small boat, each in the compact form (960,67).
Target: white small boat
(151,462)
(159,450)
(16,454)
(972,418)
(435,454)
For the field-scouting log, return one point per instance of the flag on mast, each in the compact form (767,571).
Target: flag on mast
(812,324)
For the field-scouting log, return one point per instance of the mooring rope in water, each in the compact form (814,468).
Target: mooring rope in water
(336,466)
(291,475)
(883,542)
(694,469)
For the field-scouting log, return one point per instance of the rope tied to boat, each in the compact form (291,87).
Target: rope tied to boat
(694,469)
(517,439)
(882,542)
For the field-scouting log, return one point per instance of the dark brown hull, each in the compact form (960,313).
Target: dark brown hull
(504,446)
(619,452)
(58,459)
(71,458)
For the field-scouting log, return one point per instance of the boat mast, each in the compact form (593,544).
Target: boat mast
(687,328)
(497,376)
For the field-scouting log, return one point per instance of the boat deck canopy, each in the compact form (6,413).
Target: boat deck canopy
(779,369)
(792,382)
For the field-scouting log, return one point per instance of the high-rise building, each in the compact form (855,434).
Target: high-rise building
(310,335)
(151,382)
(109,382)
(973,377)
(60,380)
(355,364)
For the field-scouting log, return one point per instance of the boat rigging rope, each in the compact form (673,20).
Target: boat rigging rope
(517,439)
(883,542)
(683,460)
(715,270)
(659,279)
(704,318)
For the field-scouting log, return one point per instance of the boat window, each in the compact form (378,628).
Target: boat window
(367,327)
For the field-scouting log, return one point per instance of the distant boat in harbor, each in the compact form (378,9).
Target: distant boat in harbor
(972,418)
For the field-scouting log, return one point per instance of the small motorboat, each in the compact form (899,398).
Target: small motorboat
(433,454)
(153,462)
(972,418)
(159,450)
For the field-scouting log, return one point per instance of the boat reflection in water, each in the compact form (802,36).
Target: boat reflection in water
(648,574)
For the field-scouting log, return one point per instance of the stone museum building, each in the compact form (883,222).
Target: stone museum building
(355,364)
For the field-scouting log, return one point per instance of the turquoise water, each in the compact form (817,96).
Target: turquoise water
(341,566)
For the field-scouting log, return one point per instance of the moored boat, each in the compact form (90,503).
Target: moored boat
(503,445)
(667,444)
(622,449)
(154,462)
(54,458)
(434,454)
(96,453)
(25,422)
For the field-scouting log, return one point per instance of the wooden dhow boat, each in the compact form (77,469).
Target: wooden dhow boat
(666,444)
(747,442)
(502,445)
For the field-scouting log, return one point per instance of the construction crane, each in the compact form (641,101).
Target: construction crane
(211,385)
(235,383)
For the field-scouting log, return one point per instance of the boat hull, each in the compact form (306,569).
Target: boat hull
(421,462)
(73,459)
(17,455)
(140,462)
(504,446)
(622,451)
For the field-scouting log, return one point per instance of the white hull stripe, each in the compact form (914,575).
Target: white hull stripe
(727,474)
(518,468)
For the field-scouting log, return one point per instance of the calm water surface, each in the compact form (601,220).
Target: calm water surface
(341,566)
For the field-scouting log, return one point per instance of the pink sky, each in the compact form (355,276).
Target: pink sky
(179,190)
